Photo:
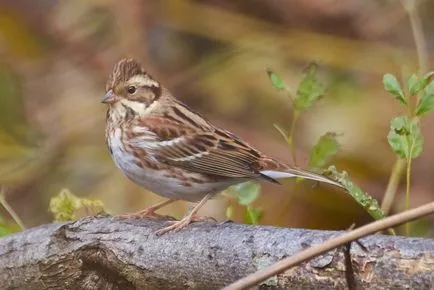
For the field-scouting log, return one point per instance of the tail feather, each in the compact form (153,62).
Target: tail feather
(296,172)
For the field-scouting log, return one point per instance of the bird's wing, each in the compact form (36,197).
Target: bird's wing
(215,152)
(212,151)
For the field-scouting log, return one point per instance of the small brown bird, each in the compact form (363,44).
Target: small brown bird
(164,146)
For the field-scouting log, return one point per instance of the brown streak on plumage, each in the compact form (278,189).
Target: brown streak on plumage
(266,163)
(185,118)
(165,129)
(123,71)
(157,91)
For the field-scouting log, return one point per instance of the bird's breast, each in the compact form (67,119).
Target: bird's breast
(165,180)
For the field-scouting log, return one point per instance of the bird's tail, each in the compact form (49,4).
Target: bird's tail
(277,170)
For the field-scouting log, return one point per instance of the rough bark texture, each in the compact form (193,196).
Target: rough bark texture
(108,253)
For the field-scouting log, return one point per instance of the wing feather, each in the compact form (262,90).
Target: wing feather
(217,152)
(208,159)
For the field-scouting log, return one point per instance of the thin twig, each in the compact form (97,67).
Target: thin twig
(290,139)
(416,26)
(411,6)
(10,210)
(331,244)
(392,186)
(407,192)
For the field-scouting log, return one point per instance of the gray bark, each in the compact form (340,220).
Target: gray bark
(109,253)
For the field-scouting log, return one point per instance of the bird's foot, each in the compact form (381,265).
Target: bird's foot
(148,213)
(176,226)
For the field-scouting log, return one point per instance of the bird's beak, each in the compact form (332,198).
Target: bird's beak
(109,98)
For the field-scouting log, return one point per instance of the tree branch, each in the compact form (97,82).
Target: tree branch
(108,253)
(316,250)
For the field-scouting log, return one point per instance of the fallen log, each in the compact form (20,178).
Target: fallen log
(109,253)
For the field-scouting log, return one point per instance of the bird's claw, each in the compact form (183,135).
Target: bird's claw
(176,226)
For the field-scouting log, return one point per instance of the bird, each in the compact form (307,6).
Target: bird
(162,145)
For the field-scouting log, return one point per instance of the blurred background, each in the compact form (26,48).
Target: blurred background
(55,57)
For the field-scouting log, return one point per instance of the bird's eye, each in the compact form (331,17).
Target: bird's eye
(131,90)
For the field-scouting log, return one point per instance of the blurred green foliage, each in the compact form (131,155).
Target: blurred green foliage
(246,193)
(326,147)
(14,128)
(309,90)
(277,82)
(7,228)
(68,207)
(253,215)
(426,102)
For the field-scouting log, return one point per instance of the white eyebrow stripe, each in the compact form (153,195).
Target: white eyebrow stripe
(143,81)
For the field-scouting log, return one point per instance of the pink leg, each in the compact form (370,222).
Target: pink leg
(179,225)
(150,211)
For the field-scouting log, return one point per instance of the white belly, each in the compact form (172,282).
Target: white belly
(162,182)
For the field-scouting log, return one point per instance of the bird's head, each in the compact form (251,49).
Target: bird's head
(130,89)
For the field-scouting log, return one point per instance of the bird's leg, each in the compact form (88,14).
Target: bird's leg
(190,217)
(150,211)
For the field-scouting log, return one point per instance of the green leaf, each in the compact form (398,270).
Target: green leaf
(323,150)
(68,207)
(426,103)
(427,77)
(309,90)
(277,82)
(246,192)
(414,85)
(253,215)
(391,85)
(369,203)
(405,137)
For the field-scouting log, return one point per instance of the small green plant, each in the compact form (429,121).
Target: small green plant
(321,153)
(309,91)
(405,137)
(246,193)
(68,207)
(369,203)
